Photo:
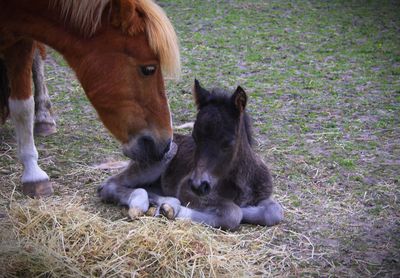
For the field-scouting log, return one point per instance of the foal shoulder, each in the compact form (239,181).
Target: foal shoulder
(185,144)
(260,179)
(180,165)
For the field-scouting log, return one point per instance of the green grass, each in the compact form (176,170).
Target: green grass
(324,95)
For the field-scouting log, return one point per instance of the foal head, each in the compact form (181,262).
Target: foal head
(221,129)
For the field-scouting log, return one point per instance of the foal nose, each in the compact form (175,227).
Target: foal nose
(200,189)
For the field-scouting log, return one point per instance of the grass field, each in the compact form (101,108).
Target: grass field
(323,79)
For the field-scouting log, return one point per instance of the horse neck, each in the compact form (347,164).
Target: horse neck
(39,21)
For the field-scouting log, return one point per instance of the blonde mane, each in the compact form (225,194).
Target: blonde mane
(86,15)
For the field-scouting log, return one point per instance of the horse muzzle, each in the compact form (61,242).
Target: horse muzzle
(145,149)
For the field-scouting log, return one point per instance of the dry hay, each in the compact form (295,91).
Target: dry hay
(61,238)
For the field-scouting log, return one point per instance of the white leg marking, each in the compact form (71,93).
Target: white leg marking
(22,113)
(139,199)
(185,213)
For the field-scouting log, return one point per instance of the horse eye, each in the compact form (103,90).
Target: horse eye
(148,70)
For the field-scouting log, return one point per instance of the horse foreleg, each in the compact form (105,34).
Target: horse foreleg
(44,121)
(35,181)
(267,213)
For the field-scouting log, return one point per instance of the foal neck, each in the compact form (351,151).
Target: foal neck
(244,151)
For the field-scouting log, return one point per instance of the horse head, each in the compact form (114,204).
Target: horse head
(121,66)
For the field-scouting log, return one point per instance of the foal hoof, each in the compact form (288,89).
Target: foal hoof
(134,213)
(167,211)
(152,211)
(38,189)
(44,129)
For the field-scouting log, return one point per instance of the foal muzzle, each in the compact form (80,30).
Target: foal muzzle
(201,182)
(203,189)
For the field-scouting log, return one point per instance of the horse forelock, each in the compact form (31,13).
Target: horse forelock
(86,15)
(162,37)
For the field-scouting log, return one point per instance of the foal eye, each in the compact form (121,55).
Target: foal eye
(148,70)
(194,137)
(227,145)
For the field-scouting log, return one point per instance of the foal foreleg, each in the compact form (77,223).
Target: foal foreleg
(136,199)
(35,181)
(267,213)
(44,121)
(138,175)
(226,216)
(125,188)
(160,205)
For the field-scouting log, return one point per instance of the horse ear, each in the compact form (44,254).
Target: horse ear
(127,15)
(200,95)
(239,99)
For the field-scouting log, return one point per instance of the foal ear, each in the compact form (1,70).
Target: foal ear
(127,15)
(239,99)
(200,94)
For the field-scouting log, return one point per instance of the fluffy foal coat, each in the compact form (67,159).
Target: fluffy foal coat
(215,177)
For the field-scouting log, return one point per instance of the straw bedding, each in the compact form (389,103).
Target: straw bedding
(62,238)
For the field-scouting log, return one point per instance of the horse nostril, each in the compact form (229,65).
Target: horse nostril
(205,187)
(151,150)
(146,142)
(167,148)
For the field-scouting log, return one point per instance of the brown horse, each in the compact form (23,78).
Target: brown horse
(44,121)
(45,124)
(215,177)
(119,50)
